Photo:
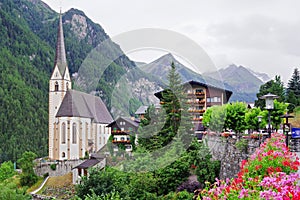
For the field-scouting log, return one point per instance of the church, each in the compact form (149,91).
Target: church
(77,121)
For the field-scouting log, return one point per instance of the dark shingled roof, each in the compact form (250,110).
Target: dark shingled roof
(60,56)
(87,164)
(79,104)
(134,122)
(141,110)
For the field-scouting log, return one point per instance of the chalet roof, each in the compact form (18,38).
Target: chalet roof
(79,104)
(87,164)
(141,110)
(60,55)
(134,123)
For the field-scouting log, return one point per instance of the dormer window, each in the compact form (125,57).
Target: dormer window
(56,86)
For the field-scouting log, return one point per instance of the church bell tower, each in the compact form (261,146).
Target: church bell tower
(59,83)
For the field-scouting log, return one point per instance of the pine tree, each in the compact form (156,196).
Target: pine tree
(173,119)
(293,90)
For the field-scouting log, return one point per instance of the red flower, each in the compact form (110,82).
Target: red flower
(257,167)
(278,169)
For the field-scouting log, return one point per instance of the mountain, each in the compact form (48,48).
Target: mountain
(161,67)
(28,31)
(262,76)
(244,81)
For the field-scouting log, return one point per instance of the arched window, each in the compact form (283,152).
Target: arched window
(63,133)
(67,85)
(63,154)
(56,86)
(74,134)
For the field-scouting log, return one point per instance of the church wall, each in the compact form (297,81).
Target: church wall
(73,148)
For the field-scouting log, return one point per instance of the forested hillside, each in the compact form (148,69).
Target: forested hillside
(28,31)
(24,69)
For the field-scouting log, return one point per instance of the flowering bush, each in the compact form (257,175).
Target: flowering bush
(268,174)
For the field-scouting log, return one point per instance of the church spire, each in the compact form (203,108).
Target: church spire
(60,56)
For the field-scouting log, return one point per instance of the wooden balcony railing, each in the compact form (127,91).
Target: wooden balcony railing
(196,111)
(196,102)
(121,141)
(197,119)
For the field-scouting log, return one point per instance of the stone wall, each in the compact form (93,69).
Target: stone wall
(225,150)
(62,167)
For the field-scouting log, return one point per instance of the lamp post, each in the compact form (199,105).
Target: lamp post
(259,121)
(286,116)
(269,98)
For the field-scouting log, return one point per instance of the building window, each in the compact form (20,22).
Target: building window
(122,138)
(67,85)
(99,140)
(104,140)
(74,134)
(63,133)
(208,99)
(199,91)
(122,129)
(56,86)
(63,154)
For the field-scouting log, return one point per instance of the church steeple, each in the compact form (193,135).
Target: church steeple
(60,56)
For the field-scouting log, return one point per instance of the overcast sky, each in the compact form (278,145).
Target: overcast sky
(263,35)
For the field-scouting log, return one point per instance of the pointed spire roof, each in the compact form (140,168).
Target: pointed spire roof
(60,56)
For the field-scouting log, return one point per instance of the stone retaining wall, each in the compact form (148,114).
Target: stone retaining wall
(62,167)
(226,151)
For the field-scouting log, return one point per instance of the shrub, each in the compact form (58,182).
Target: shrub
(53,166)
(45,175)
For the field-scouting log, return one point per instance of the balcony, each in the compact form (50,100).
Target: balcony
(196,111)
(121,141)
(197,119)
(196,102)
(120,132)
(197,94)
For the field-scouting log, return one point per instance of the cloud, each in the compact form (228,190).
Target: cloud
(259,33)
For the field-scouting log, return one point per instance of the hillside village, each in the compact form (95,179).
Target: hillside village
(174,147)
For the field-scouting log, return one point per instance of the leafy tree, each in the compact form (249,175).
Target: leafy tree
(28,177)
(251,119)
(6,170)
(9,190)
(274,87)
(279,110)
(102,182)
(235,116)
(214,117)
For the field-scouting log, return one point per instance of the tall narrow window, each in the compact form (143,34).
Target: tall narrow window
(74,133)
(63,133)
(56,86)
(67,86)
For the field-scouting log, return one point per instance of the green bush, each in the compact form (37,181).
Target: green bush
(53,166)
(45,175)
